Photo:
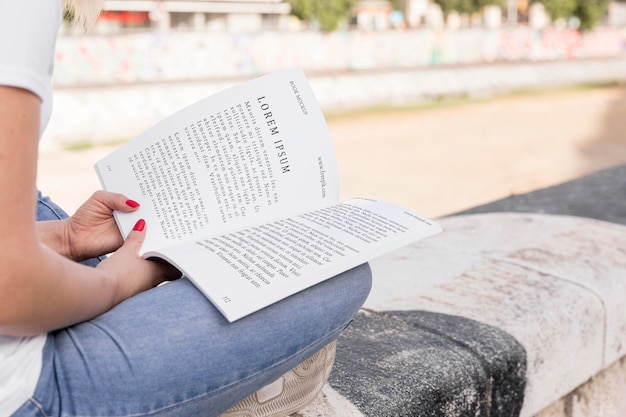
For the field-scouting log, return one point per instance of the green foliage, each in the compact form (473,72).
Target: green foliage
(302,9)
(467,6)
(482,3)
(590,12)
(461,6)
(559,8)
(327,13)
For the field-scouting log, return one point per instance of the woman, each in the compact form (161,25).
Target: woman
(104,340)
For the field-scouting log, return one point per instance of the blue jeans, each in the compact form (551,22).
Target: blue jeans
(169,352)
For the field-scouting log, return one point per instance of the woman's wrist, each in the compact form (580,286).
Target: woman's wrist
(55,235)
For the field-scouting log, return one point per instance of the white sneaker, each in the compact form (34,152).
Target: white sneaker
(292,391)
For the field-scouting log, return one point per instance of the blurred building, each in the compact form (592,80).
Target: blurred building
(258,15)
(617,13)
(232,15)
(373,14)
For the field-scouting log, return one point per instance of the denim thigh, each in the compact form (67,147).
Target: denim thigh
(169,352)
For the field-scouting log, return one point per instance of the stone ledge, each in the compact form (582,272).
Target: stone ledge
(428,364)
(504,314)
(535,277)
(602,395)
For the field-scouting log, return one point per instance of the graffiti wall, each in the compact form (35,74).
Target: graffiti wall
(184,56)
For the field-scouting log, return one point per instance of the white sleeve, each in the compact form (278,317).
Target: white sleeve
(28,31)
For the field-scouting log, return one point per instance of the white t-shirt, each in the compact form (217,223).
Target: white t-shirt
(28,30)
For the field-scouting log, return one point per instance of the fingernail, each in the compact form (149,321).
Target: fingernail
(140,225)
(132,203)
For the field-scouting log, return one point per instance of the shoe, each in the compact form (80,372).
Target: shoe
(292,391)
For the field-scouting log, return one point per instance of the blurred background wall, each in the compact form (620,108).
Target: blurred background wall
(183,56)
(145,59)
(177,40)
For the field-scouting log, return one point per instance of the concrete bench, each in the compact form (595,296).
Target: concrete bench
(517,309)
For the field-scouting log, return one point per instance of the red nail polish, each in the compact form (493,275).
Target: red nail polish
(140,225)
(132,203)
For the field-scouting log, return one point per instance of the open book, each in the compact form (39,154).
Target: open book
(240,192)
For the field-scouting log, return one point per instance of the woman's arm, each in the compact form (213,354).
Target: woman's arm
(54,234)
(41,290)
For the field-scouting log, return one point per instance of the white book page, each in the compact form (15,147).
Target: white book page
(255,152)
(246,270)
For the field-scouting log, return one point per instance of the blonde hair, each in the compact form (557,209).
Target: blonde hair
(84,12)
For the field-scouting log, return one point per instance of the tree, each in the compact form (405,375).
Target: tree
(327,13)
(467,6)
(558,8)
(461,6)
(590,12)
(482,3)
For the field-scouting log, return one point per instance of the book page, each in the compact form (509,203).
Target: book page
(245,270)
(254,152)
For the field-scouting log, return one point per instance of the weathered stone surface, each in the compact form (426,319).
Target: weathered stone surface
(588,253)
(534,276)
(387,367)
(426,364)
(603,395)
(501,355)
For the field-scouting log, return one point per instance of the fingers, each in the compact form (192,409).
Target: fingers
(116,201)
(136,236)
(132,273)
(157,272)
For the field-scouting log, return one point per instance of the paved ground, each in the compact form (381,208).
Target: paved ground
(442,159)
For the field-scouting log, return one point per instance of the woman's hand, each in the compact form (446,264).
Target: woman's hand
(53,292)
(132,273)
(92,230)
